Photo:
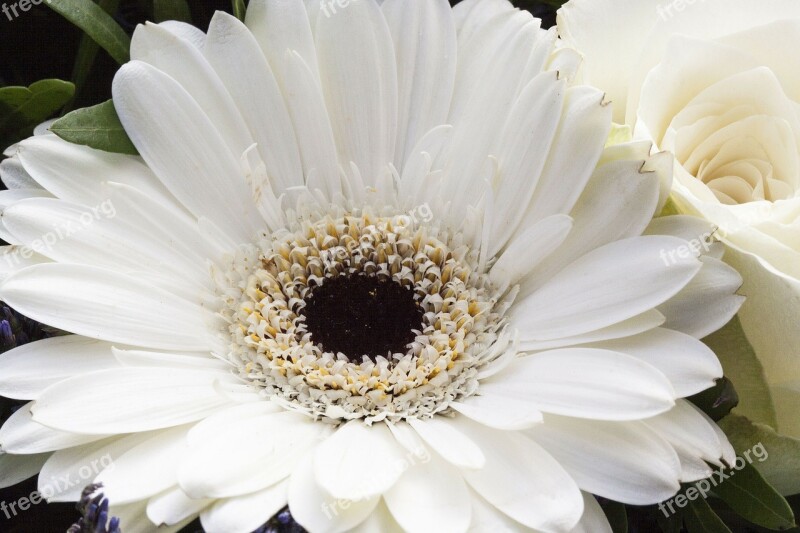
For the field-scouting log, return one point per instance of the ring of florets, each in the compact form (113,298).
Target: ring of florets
(461,326)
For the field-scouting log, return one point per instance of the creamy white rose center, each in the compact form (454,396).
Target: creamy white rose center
(361,316)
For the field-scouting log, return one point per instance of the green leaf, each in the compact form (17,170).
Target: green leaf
(22,108)
(239,9)
(97,127)
(741,366)
(752,498)
(700,518)
(97,24)
(171,10)
(781,465)
(718,400)
(87,53)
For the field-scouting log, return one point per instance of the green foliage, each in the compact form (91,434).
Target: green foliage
(97,24)
(698,517)
(171,10)
(754,499)
(239,9)
(22,108)
(97,127)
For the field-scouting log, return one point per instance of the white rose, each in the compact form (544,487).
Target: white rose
(717,82)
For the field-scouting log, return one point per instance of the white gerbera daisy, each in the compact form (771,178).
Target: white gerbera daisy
(374,262)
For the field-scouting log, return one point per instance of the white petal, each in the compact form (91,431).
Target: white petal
(707,303)
(72,233)
(490,71)
(586,383)
(16,257)
(21,435)
(29,369)
(623,461)
(487,517)
(425,47)
(599,289)
(528,249)
(524,144)
(200,170)
(358,461)
(245,513)
(359,79)
(164,223)
(316,510)
(17,468)
(234,53)
(106,305)
(380,520)
(689,432)
(146,469)
(523,481)
(689,364)
(173,506)
(586,123)
(281,25)
(444,437)
(610,57)
(14,175)
(9,198)
(594,518)
(627,328)
(68,471)
(196,361)
(126,400)
(72,172)
(185,64)
(311,122)
(622,197)
(691,229)
(221,465)
(430,497)
(418,173)
(498,412)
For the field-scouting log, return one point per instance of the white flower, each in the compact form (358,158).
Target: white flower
(714,81)
(413,188)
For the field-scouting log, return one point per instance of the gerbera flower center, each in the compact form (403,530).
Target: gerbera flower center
(360,315)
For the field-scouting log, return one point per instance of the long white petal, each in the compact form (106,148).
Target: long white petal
(430,497)
(358,461)
(587,383)
(523,481)
(184,148)
(607,285)
(126,400)
(623,461)
(107,305)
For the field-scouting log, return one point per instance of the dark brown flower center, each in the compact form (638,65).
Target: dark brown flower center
(359,315)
